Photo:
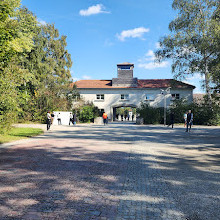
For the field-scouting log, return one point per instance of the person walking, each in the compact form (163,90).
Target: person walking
(52,117)
(59,119)
(189,120)
(71,118)
(105,117)
(171,119)
(185,117)
(74,118)
(48,120)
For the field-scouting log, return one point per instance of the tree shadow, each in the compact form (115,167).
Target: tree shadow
(50,181)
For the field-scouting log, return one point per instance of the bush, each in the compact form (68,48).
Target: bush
(202,113)
(88,113)
(150,115)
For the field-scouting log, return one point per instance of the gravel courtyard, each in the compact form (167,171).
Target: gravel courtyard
(119,171)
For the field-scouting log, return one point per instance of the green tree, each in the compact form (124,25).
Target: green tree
(15,40)
(192,42)
(49,64)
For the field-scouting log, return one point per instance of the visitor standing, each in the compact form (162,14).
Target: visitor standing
(59,119)
(105,117)
(171,119)
(189,120)
(52,117)
(71,118)
(185,119)
(48,120)
(74,118)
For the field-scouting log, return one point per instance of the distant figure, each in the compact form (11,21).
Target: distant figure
(185,119)
(74,118)
(122,117)
(132,117)
(128,117)
(52,117)
(105,117)
(59,119)
(48,120)
(189,120)
(171,119)
(71,118)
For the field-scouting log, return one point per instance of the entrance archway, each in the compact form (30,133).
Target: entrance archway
(124,112)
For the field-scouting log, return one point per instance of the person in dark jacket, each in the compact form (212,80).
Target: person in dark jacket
(189,120)
(171,119)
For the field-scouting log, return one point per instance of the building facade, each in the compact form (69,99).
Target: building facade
(127,91)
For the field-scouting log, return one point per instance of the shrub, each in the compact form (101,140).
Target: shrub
(150,115)
(202,113)
(88,113)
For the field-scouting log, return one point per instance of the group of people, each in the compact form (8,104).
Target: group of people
(50,118)
(188,118)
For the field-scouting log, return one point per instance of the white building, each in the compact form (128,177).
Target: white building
(127,91)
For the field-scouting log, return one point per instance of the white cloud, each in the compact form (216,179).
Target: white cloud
(133,33)
(196,80)
(95,9)
(196,76)
(41,22)
(86,77)
(75,79)
(148,61)
(158,45)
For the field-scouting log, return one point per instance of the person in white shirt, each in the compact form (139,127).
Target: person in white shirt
(71,118)
(59,119)
(48,120)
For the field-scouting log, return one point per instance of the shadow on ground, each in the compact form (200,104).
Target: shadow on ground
(54,181)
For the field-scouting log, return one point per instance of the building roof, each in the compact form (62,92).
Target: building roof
(125,63)
(142,83)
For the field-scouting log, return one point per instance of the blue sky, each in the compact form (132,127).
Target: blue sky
(101,34)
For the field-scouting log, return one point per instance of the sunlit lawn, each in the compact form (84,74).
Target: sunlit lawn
(19,133)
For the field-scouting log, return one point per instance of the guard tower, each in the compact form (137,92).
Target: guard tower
(125,76)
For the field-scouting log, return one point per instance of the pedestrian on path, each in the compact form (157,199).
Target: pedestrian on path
(185,117)
(48,120)
(189,120)
(71,118)
(105,118)
(74,118)
(59,119)
(52,117)
(171,119)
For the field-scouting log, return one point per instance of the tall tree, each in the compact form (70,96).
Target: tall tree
(50,63)
(191,44)
(13,41)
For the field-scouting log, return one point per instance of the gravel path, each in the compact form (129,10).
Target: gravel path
(120,171)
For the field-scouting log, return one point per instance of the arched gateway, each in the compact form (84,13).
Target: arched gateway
(119,117)
(127,91)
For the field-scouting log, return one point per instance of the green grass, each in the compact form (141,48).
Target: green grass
(19,133)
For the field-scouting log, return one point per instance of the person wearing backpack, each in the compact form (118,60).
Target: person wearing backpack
(105,118)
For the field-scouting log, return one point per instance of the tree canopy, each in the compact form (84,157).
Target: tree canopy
(34,66)
(193,44)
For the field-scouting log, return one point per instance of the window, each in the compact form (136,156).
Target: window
(175,96)
(124,96)
(149,97)
(125,67)
(100,96)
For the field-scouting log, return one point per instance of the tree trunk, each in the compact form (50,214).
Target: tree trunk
(207,84)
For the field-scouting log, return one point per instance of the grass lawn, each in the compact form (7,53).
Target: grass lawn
(19,133)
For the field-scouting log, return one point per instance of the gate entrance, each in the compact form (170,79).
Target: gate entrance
(124,113)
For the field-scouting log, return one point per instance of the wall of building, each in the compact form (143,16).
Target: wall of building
(112,97)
